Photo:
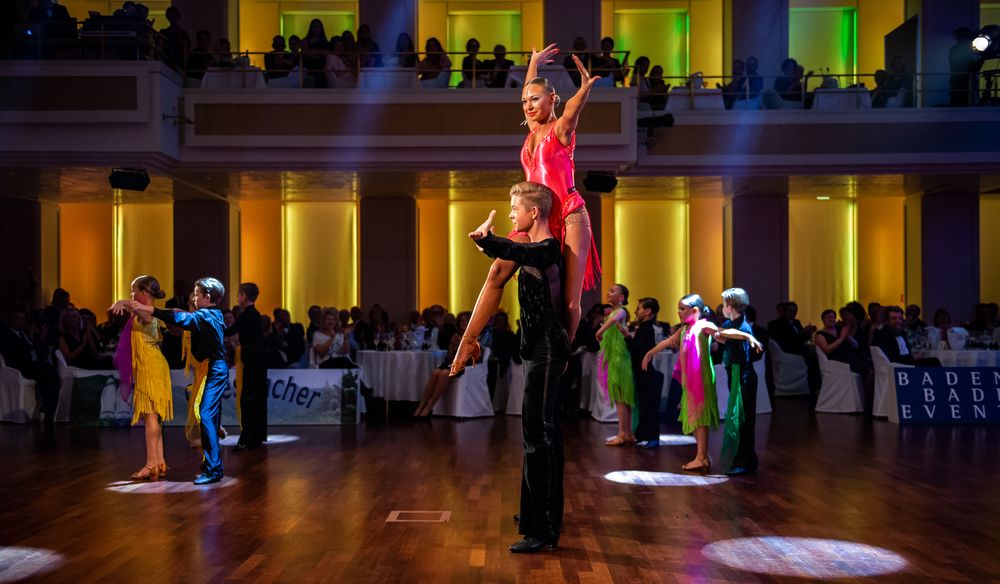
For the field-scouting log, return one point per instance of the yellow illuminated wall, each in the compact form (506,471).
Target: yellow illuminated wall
(705,218)
(822,39)
(875,20)
(881,247)
(260,20)
(86,252)
(914,250)
(49,278)
(433,252)
(143,244)
(260,252)
(518,25)
(608,268)
(651,250)
(320,255)
(821,255)
(989,249)
(468,265)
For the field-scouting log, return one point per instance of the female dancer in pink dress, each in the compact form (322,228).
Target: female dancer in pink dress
(547,158)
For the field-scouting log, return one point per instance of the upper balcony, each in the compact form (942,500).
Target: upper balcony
(111,113)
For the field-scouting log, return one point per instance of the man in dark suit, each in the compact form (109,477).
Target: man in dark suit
(253,395)
(788,332)
(649,383)
(20,353)
(288,341)
(891,338)
(498,67)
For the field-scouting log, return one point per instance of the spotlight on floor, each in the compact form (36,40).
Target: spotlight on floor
(676,440)
(233,439)
(804,557)
(19,563)
(129,179)
(166,487)
(643,478)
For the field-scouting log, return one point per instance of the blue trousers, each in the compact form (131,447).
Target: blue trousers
(216,383)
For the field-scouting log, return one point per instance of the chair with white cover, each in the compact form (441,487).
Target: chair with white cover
(66,378)
(722,389)
(885,390)
(17,396)
(469,395)
(515,389)
(441,81)
(790,374)
(842,391)
(763,400)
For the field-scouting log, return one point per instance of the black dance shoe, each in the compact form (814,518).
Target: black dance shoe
(648,444)
(530,545)
(740,471)
(207,479)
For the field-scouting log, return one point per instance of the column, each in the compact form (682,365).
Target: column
(388,234)
(388,18)
(949,222)
(938,21)
(759,29)
(567,19)
(758,241)
(203,244)
(21,231)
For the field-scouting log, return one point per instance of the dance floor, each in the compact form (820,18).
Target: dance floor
(837,496)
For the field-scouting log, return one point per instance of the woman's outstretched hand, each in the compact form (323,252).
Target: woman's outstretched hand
(586,81)
(485,229)
(544,57)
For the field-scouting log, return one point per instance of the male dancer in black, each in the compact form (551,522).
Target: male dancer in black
(544,351)
(253,394)
(738,454)
(207,327)
(648,383)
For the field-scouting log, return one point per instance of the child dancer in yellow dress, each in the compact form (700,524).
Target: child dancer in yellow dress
(144,374)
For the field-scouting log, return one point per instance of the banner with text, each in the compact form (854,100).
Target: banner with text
(948,395)
(294,397)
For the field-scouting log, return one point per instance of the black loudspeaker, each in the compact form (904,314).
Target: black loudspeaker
(130,179)
(600,182)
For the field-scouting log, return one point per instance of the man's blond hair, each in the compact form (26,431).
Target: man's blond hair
(535,195)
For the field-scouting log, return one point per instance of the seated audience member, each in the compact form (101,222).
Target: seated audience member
(200,58)
(606,65)
(330,346)
(232,341)
(176,42)
(497,68)
(639,75)
(78,345)
(439,380)
(913,322)
(338,71)
(315,322)
(892,340)
(364,334)
(472,67)
(278,62)
(435,62)
(504,343)
(585,56)
(223,54)
(983,321)
(658,89)
(368,50)
(32,359)
(737,86)
(787,331)
(295,50)
(350,55)
(942,322)
(759,332)
(406,51)
(789,84)
(288,340)
(836,340)
(755,83)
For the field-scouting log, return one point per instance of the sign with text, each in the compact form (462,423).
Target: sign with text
(294,397)
(948,395)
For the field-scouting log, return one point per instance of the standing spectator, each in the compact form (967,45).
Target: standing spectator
(176,42)
(314,49)
(965,66)
(648,383)
(278,62)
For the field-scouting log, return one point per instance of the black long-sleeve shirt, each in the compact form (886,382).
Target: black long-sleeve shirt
(539,291)
(248,326)
(206,326)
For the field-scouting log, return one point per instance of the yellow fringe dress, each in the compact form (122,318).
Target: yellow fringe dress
(198,371)
(152,392)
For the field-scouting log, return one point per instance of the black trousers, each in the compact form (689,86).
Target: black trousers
(542,474)
(648,388)
(746,455)
(253,402)
(47,384)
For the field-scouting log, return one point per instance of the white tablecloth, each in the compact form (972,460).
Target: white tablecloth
(597,400)
(966,358)
(842,99)
(556,74)
(249,78)
(684,99)
(399,375)
(17,396)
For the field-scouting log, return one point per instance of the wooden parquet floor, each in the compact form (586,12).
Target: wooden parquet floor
(315,509)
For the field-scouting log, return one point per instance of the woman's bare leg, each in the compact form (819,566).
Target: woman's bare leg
(578,242)
(428,392)
(439,388)
(701,436)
